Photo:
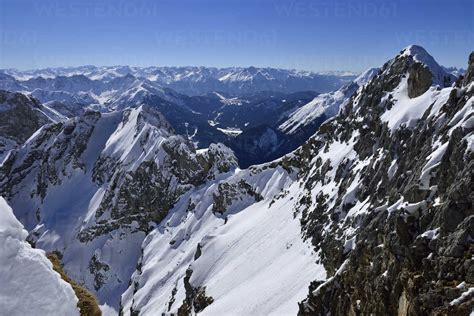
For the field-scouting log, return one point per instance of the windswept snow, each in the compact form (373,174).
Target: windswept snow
(325,104)
(254,254)
(406,112)
(29,285)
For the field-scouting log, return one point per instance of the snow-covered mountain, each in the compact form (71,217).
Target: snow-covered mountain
(199,80)
(372,215)
(203,119)
(240,107)
(91,188)
(390,177)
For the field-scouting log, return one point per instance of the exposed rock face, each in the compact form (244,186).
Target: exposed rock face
(397,236)
(228,193)
(469,76)
(196,300)
(419,80)
(20,117)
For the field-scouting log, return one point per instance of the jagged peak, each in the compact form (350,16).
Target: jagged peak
(420,55)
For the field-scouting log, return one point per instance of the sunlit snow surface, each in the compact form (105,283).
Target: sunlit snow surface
(255,264)
(325,104)
(28,284)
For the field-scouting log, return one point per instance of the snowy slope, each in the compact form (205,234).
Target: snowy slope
(251,253)
(30,286)
(325,105)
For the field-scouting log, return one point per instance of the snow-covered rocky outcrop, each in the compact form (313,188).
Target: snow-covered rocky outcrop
(388,194)
(29,285)
(20,117)
(92,187)
(306,119)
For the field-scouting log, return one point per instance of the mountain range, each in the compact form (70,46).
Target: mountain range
(205,104)
(192,80)
(157,200)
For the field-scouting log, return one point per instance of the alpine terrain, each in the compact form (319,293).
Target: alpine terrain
(238,191)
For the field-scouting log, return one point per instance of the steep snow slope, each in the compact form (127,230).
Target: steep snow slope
(237,240)
(29,284)
(93,186)
(325,105)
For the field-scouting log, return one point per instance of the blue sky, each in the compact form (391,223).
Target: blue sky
(317,35)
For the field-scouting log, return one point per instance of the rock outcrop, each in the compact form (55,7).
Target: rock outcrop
(397,236)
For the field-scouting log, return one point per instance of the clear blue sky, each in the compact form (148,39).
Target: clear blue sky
(315,35)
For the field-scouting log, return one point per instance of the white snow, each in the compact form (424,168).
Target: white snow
(254,254)
(431,234)
(327,104)
(29,285)
(433,161)
(324,104)
(464,297)
(406,112)
(228,101)
(231,131)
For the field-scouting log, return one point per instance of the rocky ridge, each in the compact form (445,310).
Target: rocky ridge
(92,187)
